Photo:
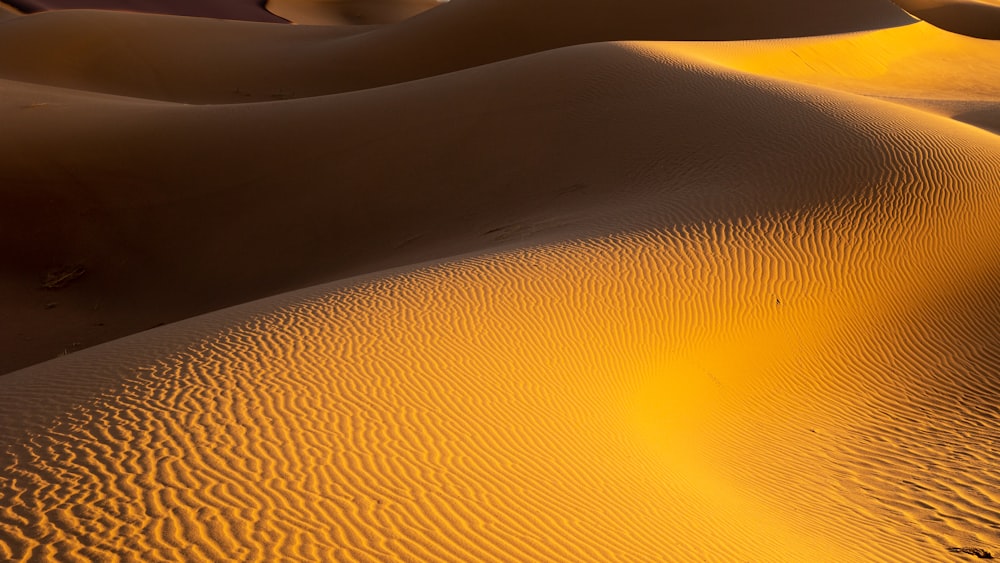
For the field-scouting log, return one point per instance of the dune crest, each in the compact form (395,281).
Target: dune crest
(499,281)
(915,65)
(348,12)
(247,10)
(708,378)
(976,18)
(214,64)
(682,394)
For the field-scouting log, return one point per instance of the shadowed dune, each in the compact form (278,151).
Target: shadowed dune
(546,297)
(349,12)
(7,11)
(209,62)
(182,202)
(978,18)
(745,369)
(248,10)
(170,58)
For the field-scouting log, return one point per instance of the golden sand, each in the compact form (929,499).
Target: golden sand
(649,300)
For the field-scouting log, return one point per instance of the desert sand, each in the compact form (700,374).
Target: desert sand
(504,280)
(245,10)
(348,12)
(978,18)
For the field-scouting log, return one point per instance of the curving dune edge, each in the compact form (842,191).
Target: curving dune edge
(591,301)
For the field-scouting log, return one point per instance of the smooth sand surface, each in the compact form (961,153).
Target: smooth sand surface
(7,11)
(348,12)
(978,18)
(547,298)
(226,62)
(247,10)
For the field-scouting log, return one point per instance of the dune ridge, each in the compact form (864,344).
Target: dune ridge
(915,65)
(348,12)
(362,413)
(242,10)
(977,18)
(547,298)
(703,381)
(115,246)
(451,37)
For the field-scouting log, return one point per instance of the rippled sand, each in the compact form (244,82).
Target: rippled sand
(545,298)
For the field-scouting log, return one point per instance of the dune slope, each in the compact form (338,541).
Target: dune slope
(529,294)
(915,65)
(200,156)
(246,10)
(977,18)
(350,12)
(7,11)
(218,62)
(690,353)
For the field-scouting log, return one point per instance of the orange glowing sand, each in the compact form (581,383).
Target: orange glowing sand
(613,301)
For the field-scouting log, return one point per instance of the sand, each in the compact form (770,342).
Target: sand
(247,10)
(978,18)
(501,281)
(348,12)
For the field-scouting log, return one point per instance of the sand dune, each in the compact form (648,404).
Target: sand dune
(549,297)
(199,181)
(914,65)
(978,18)
(914,61)
(7,11)
(248,10)
(216,62)
(796,374)
(169,58)
(348,12)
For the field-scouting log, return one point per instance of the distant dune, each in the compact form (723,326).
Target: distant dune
(348,12)
(978,18)
(504,280)
(249,10)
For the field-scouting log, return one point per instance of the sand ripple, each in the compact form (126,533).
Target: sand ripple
(819,384)
(714,306)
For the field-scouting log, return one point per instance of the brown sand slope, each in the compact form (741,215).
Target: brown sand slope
(978,18)
(750,319)
(167,57)
(248,10)
(7,11)
(220,63)
(350,12)
(71,207)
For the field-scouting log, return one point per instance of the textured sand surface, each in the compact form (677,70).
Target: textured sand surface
(547,298)
(8,11)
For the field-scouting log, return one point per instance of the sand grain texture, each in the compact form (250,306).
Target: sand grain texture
(544,299)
